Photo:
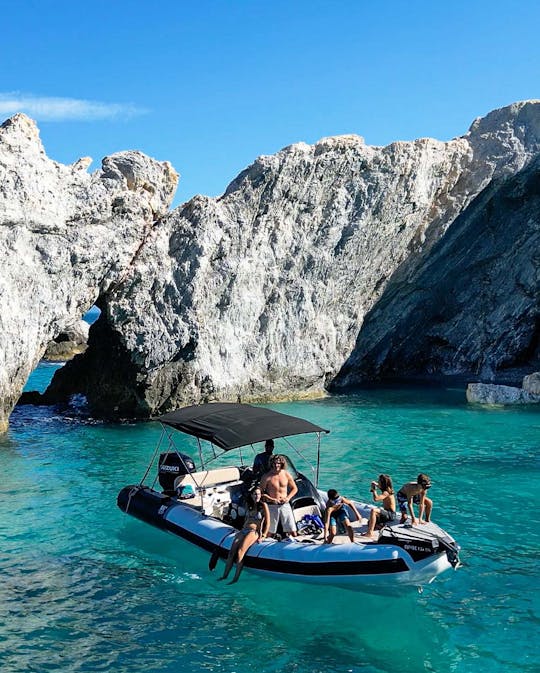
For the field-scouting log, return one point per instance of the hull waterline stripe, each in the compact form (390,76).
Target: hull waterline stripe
(327,568)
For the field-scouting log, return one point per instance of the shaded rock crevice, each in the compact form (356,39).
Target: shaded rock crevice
(472,306)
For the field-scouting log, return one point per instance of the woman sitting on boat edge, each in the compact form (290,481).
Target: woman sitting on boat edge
(255,528)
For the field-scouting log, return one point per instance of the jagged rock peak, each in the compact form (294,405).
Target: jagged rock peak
(520,116)
(155,181)
(265,292)
(66,238)
(20,133)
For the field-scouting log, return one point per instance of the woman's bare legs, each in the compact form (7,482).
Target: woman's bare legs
(232,555)
(249,539)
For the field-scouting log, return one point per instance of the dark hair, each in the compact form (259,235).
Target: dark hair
(269,444)
(332,494)
(385,483)
(423,480)
(278,459)
(250,498)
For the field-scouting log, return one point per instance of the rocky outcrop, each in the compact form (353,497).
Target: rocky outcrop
(325,266)
(471,305)
(486,393)
(67,238)
(69,343)
(531,384)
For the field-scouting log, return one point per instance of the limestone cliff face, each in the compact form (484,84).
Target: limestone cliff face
(317,268)
(66,238)
(472,305)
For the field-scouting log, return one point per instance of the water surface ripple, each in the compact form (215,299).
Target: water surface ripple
(85,588)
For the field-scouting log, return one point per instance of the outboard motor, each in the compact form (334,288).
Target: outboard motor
(171,466)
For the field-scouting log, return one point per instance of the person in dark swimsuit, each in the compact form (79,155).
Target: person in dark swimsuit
(255,528)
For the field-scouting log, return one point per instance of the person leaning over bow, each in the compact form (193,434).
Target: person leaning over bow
(415,492)
(278,488)
(338,510)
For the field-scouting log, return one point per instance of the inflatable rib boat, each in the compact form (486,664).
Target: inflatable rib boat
(206,508)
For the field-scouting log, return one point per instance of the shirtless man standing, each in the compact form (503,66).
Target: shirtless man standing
(415,492)
(278,488)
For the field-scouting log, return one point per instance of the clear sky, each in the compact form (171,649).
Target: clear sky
(210,85)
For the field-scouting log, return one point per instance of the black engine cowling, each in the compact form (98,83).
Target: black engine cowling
(171,466)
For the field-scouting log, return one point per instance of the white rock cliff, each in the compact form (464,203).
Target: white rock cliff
(66,237)
(320,267)
(264,292)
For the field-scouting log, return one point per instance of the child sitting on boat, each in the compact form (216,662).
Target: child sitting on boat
(337,511)
(386,513)
(255,528)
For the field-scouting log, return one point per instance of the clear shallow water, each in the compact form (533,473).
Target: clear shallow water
(86,588)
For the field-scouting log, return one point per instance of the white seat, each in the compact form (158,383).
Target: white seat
(208,478)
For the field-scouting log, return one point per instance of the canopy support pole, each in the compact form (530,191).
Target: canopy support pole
(318,459)
(154,456)
(200,453)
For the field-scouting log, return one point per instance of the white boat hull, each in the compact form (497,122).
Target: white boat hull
(401,558)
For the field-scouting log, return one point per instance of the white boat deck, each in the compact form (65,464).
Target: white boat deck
(360,530)
(214,502)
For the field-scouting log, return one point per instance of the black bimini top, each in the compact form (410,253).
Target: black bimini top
(229,425)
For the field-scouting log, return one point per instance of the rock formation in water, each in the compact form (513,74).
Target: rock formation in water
(325,266)
(69,343)
(472,304)
(67,237)
(487,393)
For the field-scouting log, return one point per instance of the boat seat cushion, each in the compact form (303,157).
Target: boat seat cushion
(207,478)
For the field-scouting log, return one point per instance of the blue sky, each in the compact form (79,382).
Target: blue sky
(211,85)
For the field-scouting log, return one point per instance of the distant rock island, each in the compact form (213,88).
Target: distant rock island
(320,268)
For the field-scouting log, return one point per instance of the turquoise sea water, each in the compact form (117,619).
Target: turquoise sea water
(86,588)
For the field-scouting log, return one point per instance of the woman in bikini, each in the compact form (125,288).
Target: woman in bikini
(255,528)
